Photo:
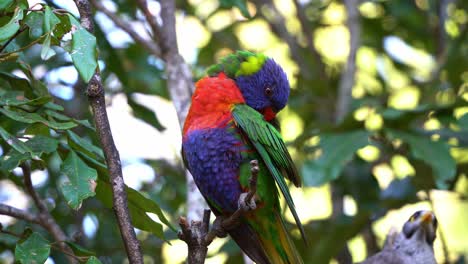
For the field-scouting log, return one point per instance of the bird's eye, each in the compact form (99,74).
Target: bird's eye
(268,91)
(415,216)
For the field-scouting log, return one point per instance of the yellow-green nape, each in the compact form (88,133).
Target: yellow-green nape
(252,65)
(239,63)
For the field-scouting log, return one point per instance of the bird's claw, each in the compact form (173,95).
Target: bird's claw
(246,205)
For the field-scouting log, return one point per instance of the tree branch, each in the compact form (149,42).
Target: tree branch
(348,74)
(125,26)
(44,218)
(180,84)
(308,35)
(198,235)
(343,104)
(95,92)
(18,213)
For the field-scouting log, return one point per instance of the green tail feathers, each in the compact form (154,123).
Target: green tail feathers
(272,243)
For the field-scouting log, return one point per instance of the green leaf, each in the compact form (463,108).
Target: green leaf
(36,147)
(63,27)
(50,20)
(37,129)
(82,180)
(35,249)
(39,88)
(5,3)
(12,159)
(83,51)
(26,117)
(436,154)
(337,150)
(145,204)
(147,115)
(93,260)
(79,250)
(42,144)
(9,30)
(17,83)
(84,145)
(47,52)
(241,4)
(15,98)
(137,211)
(34,20)
(54,106)
(17,144)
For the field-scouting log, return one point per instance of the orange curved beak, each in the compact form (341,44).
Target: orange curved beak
(427,217)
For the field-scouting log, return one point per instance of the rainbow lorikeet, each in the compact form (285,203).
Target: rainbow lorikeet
(232,121)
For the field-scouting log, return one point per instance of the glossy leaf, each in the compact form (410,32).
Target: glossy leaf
(47,52)
(5,3)
(50,20)
(84,145)
(436,154)
(337,150)
(17,144)
(34,250)
(147,115)
(139,217)
(37,146)
(12,159)
(147,205)
(17,99)
(9,30)
(83,53)
(35,20)
(31,118)
(42,144)
(79,250)
(81,180)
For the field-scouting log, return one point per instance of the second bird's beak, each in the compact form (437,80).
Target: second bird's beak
(427,217)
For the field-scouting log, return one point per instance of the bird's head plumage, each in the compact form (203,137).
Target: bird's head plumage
(422,225)
(263,83)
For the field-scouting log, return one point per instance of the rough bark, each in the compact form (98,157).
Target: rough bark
(95,92)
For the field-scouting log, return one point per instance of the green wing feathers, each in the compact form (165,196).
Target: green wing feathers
(260,131)
(269,144)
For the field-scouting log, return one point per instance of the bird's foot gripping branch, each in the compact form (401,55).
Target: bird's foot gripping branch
(198,234)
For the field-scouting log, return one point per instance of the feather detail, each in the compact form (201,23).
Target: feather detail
(268,143)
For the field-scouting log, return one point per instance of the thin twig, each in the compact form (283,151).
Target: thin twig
(125,26)
(308,32)
(153,23)
(30,189)
(18,213)
(36,41)
(95,92)
(343,105)
(347,76)
(58,248)
(44,217)
(180,84)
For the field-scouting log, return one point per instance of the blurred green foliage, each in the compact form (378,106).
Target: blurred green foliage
(405,134)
